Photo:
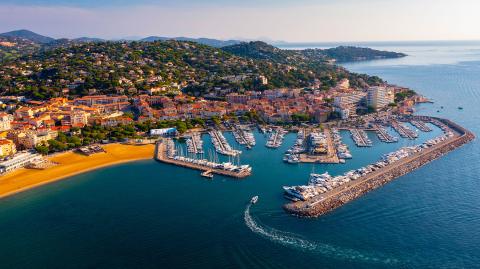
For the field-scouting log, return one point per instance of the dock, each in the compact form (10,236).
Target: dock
(161,156)
(403,130)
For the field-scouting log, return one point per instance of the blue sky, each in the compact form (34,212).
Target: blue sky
(287,20)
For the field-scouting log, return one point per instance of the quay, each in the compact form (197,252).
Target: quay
(161,155)
(343,194)
(331,156)
(421,126)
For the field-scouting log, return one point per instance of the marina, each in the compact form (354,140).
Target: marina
(324,192)
(421,126)
(275,139)
(244,136)
(403,130)
(221,144)
(360,137)
(195,144)
(165,152)
(293,154)
(384,135)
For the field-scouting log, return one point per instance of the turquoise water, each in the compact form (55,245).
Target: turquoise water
(151,215)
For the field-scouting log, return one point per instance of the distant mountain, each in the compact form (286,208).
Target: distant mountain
(88,39)
(26,34)
(205,41)
(350,54)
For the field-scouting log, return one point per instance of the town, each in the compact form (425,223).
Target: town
(30,128)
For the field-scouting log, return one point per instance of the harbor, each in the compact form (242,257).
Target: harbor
(166,152)
(403,130)
(195,144)
(221,144)
(384,135)
(244,136)
(275,139)
(360,137)
(325,193)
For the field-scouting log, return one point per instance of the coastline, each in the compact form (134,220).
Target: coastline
(71,164)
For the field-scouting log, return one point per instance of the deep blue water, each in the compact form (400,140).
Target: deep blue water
(152,215)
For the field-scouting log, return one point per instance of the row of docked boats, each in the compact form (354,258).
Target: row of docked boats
(293,154)
(244,136)
(384,135)
(403,130)
(276,137)
(227,166)
(195,144)
(319,184)
(360,138)
(343,152)
(221,144)
(422,126)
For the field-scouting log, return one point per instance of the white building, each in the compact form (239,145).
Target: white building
(379,97)
(163,132)
(349,99)
(19,160)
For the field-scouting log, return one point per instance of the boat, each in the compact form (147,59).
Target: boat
(460,107)
(254,200)
(207,174)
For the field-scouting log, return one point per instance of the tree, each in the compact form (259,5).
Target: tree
(42,149)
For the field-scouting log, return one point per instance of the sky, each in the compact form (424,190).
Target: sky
(270,20)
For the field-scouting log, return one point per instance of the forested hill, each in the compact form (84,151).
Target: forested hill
(262,50)
(134,67)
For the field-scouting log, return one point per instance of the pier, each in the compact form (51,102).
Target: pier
(276,138)
(165,154)
(341,195)
(330,155)
(403,130)
(421,125)
(360,137)
(221,144)
(384,135)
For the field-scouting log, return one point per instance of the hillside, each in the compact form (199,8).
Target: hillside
(264,51)
(133,67)
(29,35)
(205,41)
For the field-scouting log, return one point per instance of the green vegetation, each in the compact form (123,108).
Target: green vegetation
(401,96)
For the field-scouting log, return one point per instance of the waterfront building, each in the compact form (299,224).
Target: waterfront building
(164,132)
(349,99)
(379,97)
(19,160)
(7,147)
(28,139)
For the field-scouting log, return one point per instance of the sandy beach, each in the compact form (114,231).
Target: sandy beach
(70,164)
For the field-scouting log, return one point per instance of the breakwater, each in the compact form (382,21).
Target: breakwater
(340,196)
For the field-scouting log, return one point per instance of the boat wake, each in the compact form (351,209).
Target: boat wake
(295,241)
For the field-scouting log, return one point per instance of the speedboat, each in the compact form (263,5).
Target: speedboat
(254,200)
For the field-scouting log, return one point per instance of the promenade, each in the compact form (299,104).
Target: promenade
(337,197)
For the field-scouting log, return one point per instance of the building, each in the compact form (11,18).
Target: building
(30,138)
(379,97)
(165,132)
(78,118)
(349,99)
(19,160)
(7,147)
(5,121)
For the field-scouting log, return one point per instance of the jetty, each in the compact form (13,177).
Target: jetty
(318,204)
(360,138)
(221,144)
(384,135)
(421,125)
(165,153)
(403,130)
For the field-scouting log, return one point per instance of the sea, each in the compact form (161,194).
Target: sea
(152,215)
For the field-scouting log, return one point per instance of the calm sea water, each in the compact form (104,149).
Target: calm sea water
(151,215)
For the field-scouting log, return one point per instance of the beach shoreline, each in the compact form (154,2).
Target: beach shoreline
(71,164)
